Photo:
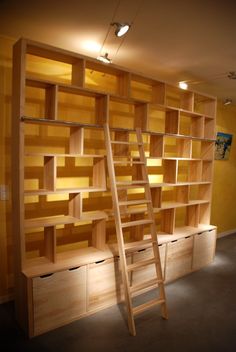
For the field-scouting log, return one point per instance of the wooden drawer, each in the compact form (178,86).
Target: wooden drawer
(179,258)
(58,299)
(204,249)
(148,272)
(104,284)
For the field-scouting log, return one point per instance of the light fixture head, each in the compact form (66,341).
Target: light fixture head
(121,28)
(183,85)
(227,101)
(232,75)
(104,58)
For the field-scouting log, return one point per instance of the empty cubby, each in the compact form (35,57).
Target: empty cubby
(147,90)
(179,98)
(177,147)
(191,125)
(204,105)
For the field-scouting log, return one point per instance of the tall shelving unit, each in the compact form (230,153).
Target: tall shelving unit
(63,222)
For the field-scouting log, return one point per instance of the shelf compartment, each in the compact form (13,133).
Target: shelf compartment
(205,214)
(177,147)
(174,195)
(127,113)
(205,105)
(203,149)
(191,125)
(79,106)
(53,139)
(57,68)
(51,174)
(147,89)
(207,171)
(107,79)
(200,192)
(179,98)
(209,128)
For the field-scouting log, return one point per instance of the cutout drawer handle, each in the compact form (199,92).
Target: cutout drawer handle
(46,275)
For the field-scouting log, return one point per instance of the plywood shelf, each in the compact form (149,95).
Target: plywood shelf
(45,192)
(65,219)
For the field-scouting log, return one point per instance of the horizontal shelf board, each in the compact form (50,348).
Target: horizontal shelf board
(93,215)
(173,205)
(66,219)
(50,221)
(62,87)
(65,261)
(42,192)
(178,184)
(65,155)
(182,232)
(43,121)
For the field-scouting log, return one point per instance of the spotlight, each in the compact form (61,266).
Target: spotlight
(183,85)
(104,58)
(227,101)
(121,28)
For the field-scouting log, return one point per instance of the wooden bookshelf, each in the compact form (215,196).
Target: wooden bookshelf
(62,208)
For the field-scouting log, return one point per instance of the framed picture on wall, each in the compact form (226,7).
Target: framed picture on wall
(223,145)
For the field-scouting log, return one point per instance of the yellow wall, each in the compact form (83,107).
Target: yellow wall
(224,188)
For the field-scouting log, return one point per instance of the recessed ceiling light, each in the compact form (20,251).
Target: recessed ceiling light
(104,58)
(183,85)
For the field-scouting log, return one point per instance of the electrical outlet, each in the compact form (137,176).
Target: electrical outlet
(4,192)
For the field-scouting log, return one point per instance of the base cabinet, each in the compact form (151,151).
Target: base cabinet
(179,258)
(104,284)
(148,272)
(58,299)
(61,297)
(204,249)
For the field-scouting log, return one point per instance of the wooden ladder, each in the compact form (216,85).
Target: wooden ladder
(118,154)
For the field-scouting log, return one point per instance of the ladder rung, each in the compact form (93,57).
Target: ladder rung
(147,284)
(134,202)
(142,307)
(134,246)
(126,143)
(136,223)
(140,264)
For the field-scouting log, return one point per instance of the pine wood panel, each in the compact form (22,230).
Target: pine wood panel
(58,299)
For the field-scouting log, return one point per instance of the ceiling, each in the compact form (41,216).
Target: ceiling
(171,40)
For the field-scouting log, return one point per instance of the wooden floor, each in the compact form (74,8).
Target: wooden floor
(202,317)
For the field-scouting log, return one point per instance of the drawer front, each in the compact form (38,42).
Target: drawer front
(204,249)
(104,284)
(179,258)
(58,299)
(148,272)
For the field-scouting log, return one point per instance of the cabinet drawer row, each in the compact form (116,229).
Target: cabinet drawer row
(62,297)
